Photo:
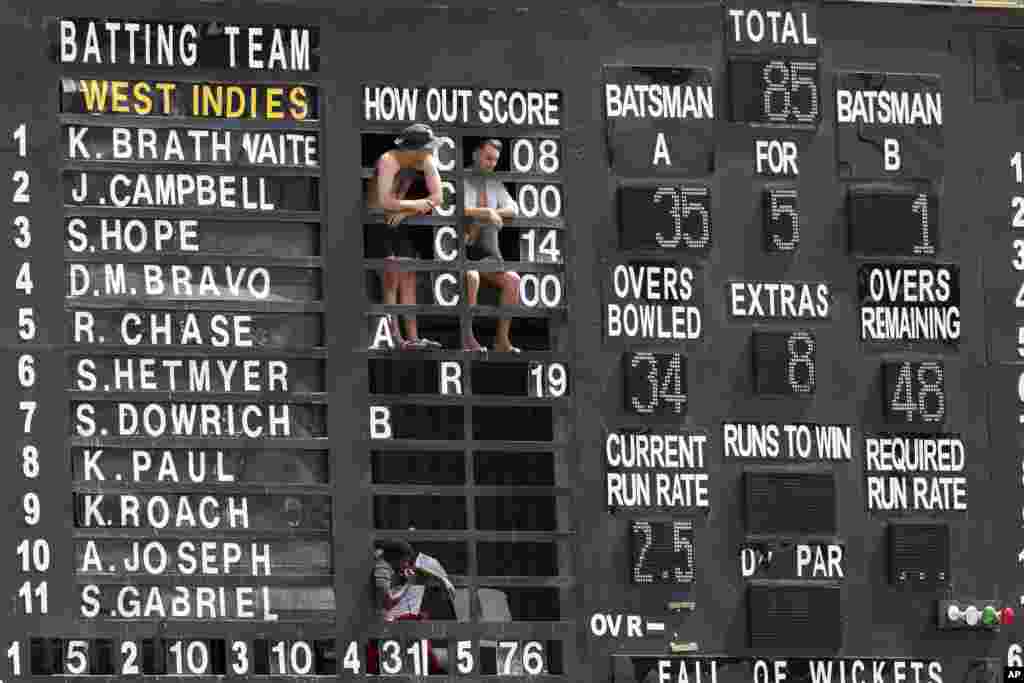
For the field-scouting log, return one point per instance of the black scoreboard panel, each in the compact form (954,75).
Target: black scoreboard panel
(690,351)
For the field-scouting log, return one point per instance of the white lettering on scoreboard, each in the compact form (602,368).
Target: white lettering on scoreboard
(910,303)
(158,328)
(200,146)
(192,466)
(164,512)
(656,470)
(189,558)
(786,300)
(889,107)
(658,101)
(177,45)
(485,106)
(787,441)
(849,670)
(214,281)
(774,26)
(184,374)
(696,669)
(134,235)
(178,602)
(915,473)
(654,302)
(180,190)
(154,420)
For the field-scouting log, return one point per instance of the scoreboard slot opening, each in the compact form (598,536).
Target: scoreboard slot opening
(527,558)
(513,423)
(436,512)
(506,603)
(517,513)
(418,469)
(514,469)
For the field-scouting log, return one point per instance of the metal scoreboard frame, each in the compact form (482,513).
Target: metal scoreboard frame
(633,342)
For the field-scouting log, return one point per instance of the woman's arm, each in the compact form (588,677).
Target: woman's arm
(387,169)
(433,182)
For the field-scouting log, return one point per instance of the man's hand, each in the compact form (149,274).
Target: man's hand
(395,217)
(492,216)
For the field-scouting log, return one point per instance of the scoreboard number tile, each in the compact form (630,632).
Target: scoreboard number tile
(774,90)
(662,552)
(655,384)
(666,217)
(784,363)
(914,392)
(781,219)
(893,220)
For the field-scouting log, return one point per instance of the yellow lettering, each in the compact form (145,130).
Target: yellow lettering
(274,103)
(119,97)
(300,107)
(213,100)
(143,101)
(95,94)
(167,89)
(235,108)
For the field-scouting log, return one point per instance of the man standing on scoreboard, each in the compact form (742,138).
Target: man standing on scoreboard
(488,204)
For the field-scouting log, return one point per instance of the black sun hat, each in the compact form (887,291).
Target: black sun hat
(417,137)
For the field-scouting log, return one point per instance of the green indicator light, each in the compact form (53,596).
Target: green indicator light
(989,616)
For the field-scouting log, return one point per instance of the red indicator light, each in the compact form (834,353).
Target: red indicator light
(1006,616)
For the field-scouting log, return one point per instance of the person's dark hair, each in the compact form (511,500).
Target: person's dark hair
(394,551)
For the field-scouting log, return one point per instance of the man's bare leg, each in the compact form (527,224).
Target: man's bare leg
(470,343)
(508,284)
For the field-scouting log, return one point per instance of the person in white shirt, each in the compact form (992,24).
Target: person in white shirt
(489,205)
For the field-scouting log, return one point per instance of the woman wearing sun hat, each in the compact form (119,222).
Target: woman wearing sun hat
(394,174)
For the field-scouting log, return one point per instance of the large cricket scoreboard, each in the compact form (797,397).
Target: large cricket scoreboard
(637,341)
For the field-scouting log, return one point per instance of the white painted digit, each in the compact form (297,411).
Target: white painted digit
(545,289)
(34,555)
(464,656)
(76,657)
(392,651)
(129,658)
(14,655)
(30,506)
(23,280)
(26,323)
(351,661)
(518,165)
(920,206)
(24,238)
(26,370)
(798,359)
(20,136)
(1017,203)
(30,462)
(533,658)
(29,408)
(505,666)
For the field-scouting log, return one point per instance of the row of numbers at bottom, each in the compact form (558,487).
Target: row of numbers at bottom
(269,657)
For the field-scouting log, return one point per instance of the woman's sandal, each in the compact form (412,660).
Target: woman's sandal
(413,345)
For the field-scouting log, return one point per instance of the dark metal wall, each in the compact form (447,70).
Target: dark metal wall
(563,47)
